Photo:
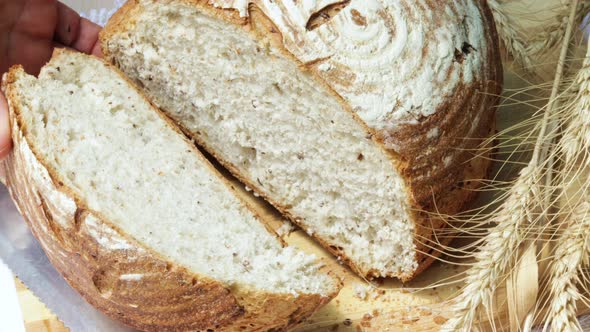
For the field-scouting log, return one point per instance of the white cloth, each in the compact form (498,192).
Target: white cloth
(98,11)
(10,312)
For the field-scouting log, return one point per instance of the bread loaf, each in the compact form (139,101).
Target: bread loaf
(135,218)
(357,119)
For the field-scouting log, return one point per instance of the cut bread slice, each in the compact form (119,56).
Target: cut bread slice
(267,121)
(230,79)
(135,218)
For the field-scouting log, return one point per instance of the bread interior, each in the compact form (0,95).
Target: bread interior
(114,151)
(275,126)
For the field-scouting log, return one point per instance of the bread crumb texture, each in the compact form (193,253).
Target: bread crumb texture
(127,163)
(271,123)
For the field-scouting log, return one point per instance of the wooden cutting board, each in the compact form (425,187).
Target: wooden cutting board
(36,315)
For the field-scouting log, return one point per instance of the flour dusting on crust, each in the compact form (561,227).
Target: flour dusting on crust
(394,61)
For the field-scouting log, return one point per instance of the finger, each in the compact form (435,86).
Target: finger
(29,51)
(68,25)
(5,141)
(76,32)
(87,41)
(97,49)
(36,18)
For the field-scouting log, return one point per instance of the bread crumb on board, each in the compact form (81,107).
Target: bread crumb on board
(286,228)
(363,291)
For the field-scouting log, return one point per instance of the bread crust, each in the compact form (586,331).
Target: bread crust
(120,276)
(450,190)
(432,191)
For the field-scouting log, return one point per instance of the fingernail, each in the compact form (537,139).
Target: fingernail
(4,151)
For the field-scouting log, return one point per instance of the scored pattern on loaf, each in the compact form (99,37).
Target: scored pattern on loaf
(394,61)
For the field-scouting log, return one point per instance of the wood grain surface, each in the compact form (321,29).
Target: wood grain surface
(36,315)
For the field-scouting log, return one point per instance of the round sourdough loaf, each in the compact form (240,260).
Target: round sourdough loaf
(136,268)
(423,78)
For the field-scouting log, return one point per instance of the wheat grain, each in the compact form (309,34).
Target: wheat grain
(571,254)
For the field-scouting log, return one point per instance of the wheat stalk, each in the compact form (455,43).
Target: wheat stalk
(571,254)
(499,252)
(554,32)
(551,123)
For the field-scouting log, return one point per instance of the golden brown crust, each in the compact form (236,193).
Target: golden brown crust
(444,191)
(448,191)
(432,189)
(120,276)
(71,235)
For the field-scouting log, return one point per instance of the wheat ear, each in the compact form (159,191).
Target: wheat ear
(553,33)
(526,53)
(575,143)
(499,251)
(496,255)
(571,254)
(511,38)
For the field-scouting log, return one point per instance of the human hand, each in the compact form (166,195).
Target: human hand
(29,30)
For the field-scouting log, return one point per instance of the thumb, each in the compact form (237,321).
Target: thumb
(5,141)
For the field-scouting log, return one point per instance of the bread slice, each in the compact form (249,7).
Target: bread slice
(255,82)
(135,218)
